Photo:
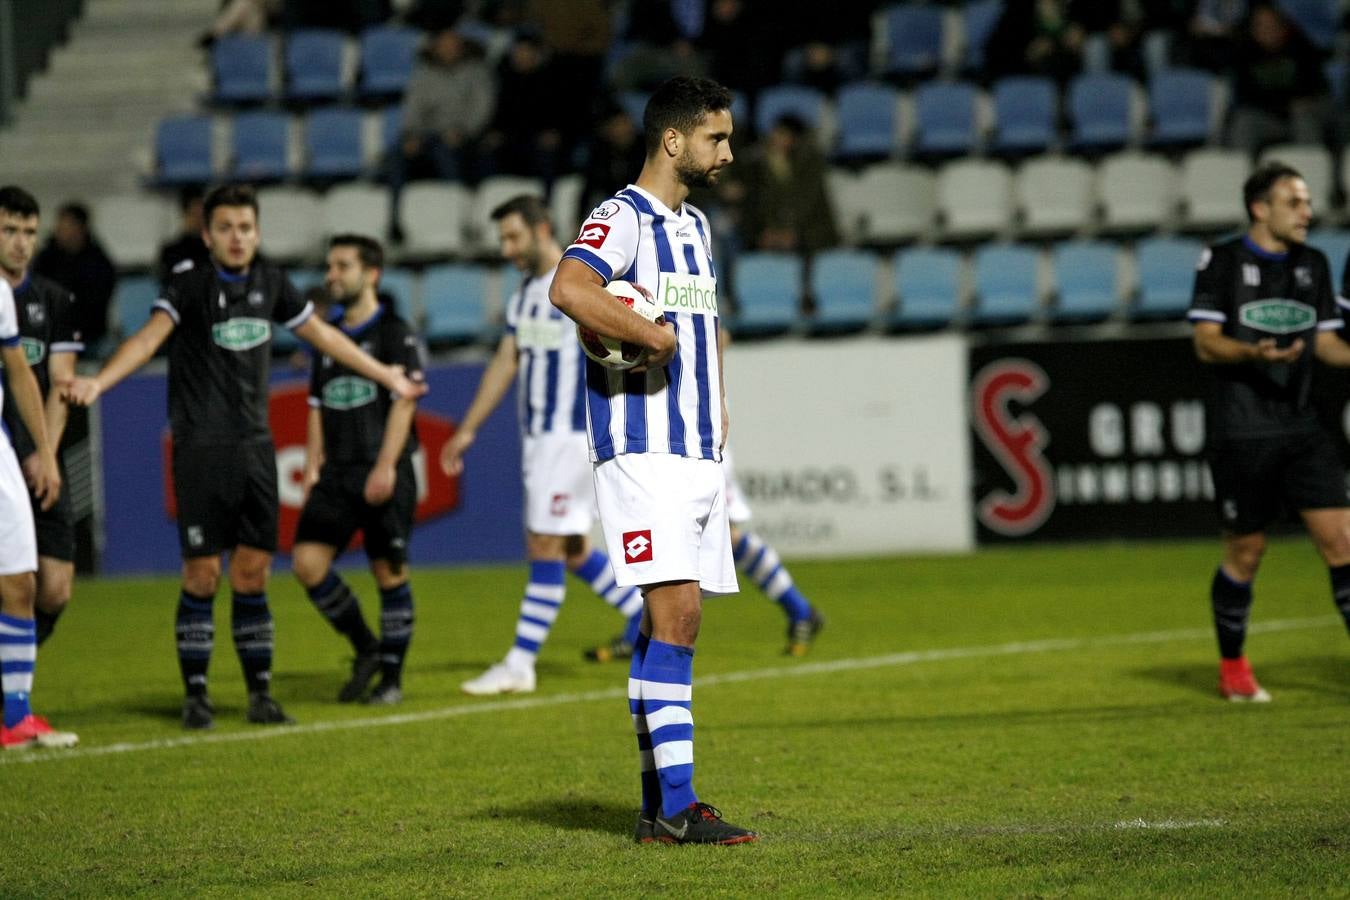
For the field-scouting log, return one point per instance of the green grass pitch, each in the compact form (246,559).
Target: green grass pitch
(1021,722)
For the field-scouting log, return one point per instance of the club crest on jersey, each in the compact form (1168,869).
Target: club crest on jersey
(1277,316)
(255,298)
(637,546)
(1302,276)
(604,210)
(593,235)
(241,334)
(34,351)
(348,392)
(36,313)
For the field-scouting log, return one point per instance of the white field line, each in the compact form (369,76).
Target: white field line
(912,657)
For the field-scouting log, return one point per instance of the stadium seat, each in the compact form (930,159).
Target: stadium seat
(493,192)
(455,301)
(508,280)
(391,126)
(314,65)
(1338,77)
(261,146)
(1319,19)
(1211,188)
(183,150)
(768,288)
(843,286)
(387,56)
(945,118)
(401,284)
(1166,276)
(928,286)
(434,216)
(333,144)
(979,18)
(1101,110)
(1181,103)
(1138,192)
(289,220)
(868,114)
(132,302)
(898,203)
(1007,284)
(356,206)
(132,227)
(1025,112)
(807,104)
(913,39)
(564,205)
(1054,195)
(1314,162)
(242,69)
(1086,280)
(974,198)
(1335,243)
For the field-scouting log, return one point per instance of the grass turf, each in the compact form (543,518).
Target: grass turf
(1020,722)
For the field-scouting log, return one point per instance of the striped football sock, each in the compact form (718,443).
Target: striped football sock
(538,611)
(18,653)
(599,574)
(195,632)
(396,628)
(761,564)
(651,785)
(667,694)
(336,603)
(253,639)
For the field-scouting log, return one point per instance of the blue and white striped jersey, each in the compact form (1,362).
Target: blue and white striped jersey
(9,328)
(676,409)
(550,379)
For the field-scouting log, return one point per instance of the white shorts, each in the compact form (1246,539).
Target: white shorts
(665,519)
(559,489)
(18,540)
(738,510)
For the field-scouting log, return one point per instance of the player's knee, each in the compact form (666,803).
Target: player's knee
(1243,555)
(54,587)
(18,594)
(388,575)
(309,566)
(201,580)
(1334,545)
(544,546)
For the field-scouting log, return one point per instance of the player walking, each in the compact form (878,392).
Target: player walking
(1263,308)
(224,465)
(540,354)
(656,436)
(359,474)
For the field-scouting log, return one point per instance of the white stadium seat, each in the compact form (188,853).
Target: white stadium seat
(1137,191)
(974,198)
(289,218)
(1054,195)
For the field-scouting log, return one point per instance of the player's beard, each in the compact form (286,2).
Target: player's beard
(692,175)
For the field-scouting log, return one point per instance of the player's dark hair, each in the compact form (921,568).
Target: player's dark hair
(1258,184)
(528,207)
(681,103)
(16,201)
(229,195)
(368,250)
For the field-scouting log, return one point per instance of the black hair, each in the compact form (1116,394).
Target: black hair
(1258,184)
(229,195)
(368,250)
(528,207)
(16,201)
(681,103)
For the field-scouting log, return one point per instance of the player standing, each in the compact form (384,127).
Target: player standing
(1262,309)
(224,464)
(540,353)
(359,474)
(18,546)
(51,344)
(657,435)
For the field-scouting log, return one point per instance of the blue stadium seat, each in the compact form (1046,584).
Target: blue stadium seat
(1025,113)
(314,65)
(401,284)
(927,281)
(1085,278)
(1335,243)
(1099,110)
(241,69)
(1338,77)
(945,113)
(867,112)
(133,301)
(781,100)
(1180,101)
(768,292)
(387,56)
(913,35)
(391,125)
(183,150)
(455,300)
(844,285)
(1319,19)
(1007,289)
(979,18)
(333,144)
(1166,276)
(260,143)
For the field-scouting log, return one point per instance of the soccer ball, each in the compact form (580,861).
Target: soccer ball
(614,354)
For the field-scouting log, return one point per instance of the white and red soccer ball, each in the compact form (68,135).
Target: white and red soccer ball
(614,354)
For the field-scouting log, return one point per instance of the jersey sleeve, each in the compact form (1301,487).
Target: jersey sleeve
(513,309)
(1343,300)
(9,316)
(65,335)
(292,309)
(315,392)
(404,349)
(1209,300)
(1329,317)
(608,240)
(170,300)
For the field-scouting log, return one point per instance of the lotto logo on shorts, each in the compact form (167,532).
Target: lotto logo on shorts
(559,505)
(637,546)
(593,235)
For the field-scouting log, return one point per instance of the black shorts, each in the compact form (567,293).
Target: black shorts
(337,508)
(1255,479)
(227,496)
(56,526)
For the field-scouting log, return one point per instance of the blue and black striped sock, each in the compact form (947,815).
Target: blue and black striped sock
(195,631)
(253,639)
(396,628)
(336,603)
(1232,604)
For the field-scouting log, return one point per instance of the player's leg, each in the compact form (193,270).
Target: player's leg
(761,564)
(195,634)
(18,657)
(55,530)
(1330,531)
(592,566)
(1315,485)
(396,629)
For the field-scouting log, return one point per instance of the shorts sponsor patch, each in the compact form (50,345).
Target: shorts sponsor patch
(637,546)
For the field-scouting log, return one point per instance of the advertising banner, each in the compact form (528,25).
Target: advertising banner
(854,446)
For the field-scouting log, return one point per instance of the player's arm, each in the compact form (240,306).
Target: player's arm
(722,337)
(133,353)
(1332,349)
(313,449)
(28,398)
(496,381)
(384,474)
(60,370)
(327,339)
(1214,347)
(578,291)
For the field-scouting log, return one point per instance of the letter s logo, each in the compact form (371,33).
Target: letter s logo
(1016,443)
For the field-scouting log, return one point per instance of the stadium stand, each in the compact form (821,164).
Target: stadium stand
(843,287)
(1166,271)
(1087,281)
(1182,104)
(768,290)
(132,302)
(974,198)
(436,216)
(929,286)
(1007,284)
(455,299)
(1208,200)
(315,69)
(1102,109)
(260,146)
(333,144)
(183,150)
(243,69)
(387,54)
(946,119)
(1137,191)
(1054,196)
(1025,113)
(868,114)
(133,225)
(913,39)
(289,219)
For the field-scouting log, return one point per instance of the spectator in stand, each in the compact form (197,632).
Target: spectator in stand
(578,34)
(525,137)
(744,49)
(616,151)
(779,194)
(1112,32)
(241,17)
(345,15)
(1212,33)
(446,109)
(662,33)
(74,259)
(1280,92)
(1035,37)
(189,243)
(830,44)
(434,15)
